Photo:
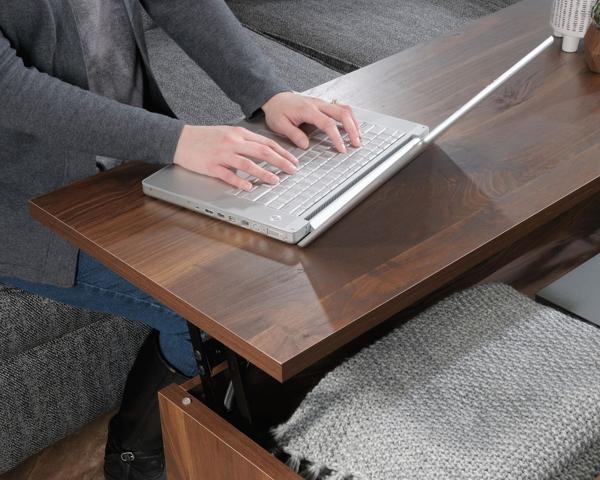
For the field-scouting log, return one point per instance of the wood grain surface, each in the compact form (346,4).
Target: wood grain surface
(195,438)
(526,155)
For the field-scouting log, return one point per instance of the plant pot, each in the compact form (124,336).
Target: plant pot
(591,45)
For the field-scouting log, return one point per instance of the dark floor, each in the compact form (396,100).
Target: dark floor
(78,457)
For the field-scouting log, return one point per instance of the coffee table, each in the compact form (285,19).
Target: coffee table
(526,156)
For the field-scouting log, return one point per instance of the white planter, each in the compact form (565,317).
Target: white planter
(569,20)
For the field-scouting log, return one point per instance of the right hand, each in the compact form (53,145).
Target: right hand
(219,151)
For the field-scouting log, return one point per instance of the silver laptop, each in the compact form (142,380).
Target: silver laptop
(327,184)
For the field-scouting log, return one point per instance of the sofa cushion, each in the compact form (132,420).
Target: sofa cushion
(49,391)
(195,98)
(28,320)
(350,34)
(487,384)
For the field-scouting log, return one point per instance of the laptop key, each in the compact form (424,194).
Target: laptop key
(319,136)
(366,126)
(271,168)
(277,204)
(326,156)
(297,152)
(268,197)
(258,192)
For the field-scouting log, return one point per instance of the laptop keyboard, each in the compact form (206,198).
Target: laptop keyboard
(321,169)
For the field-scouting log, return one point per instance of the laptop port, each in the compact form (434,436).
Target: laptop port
(273,233)
(210,212)
(220,215)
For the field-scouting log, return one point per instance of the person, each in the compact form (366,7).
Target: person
(77,95)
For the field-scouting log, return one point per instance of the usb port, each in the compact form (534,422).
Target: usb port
(245,223)
(273,233)
(210,212)
(220,215)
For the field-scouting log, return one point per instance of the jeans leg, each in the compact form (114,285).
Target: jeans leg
(98,288)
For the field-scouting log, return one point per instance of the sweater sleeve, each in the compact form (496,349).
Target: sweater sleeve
(212,36)
(69,117)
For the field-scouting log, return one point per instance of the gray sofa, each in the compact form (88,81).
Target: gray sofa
(349,34)
(61,367)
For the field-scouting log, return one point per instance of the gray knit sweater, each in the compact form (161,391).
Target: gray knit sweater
(52,127)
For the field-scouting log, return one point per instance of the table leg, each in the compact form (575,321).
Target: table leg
(202,353)
(237,369)
(208,353)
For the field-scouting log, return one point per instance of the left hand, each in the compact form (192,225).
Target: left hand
(286,111)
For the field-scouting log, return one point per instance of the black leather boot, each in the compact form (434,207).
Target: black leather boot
(134,449)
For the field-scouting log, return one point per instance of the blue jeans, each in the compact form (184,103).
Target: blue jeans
(99,289)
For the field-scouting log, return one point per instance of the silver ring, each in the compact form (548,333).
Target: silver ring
(334,101)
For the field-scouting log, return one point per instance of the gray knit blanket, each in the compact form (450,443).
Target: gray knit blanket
(487,384)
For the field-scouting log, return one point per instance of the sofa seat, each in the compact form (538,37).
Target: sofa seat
(348,34)
(195,98)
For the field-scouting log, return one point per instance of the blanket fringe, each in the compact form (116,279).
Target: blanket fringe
(313,472)
(294,461)
(341,476)
(279,432)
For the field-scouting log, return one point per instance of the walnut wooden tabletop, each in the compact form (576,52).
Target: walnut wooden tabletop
(525,155)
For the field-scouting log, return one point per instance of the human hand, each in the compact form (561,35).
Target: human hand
(286,111)
(216,151)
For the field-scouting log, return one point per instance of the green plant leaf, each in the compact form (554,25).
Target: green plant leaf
(596,13)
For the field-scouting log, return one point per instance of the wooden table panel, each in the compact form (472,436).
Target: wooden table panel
(201,445)
(524,156)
